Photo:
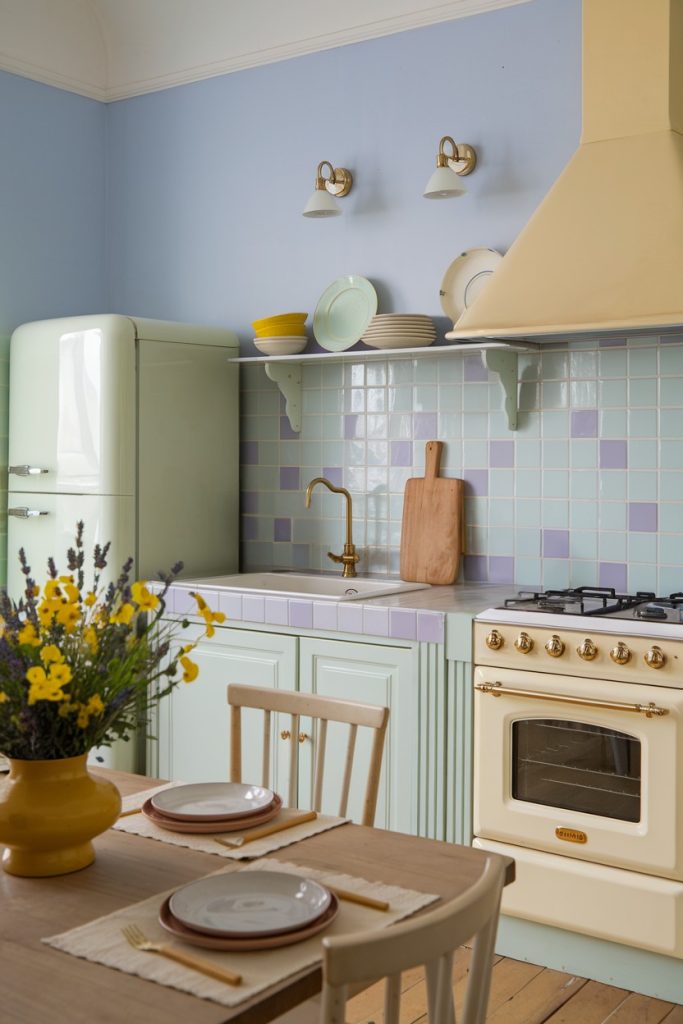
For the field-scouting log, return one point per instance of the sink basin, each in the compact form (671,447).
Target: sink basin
(322,588)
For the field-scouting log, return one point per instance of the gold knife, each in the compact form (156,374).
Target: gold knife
(268,830)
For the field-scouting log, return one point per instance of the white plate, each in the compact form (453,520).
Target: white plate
(398,341)
(343,312)
(401,329)
(465,279)
(212,801)
(256,903)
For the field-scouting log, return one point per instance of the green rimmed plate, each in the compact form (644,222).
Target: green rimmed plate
(344,310)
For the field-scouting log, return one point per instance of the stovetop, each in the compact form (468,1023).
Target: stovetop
(643,606)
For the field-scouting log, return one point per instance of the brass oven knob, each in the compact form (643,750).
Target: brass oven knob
(587,649)
(620,654)
(655,657)
(555,646)
(524,643)
(494,640)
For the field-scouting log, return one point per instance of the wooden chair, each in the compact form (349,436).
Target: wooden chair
(323,710)
(429,939)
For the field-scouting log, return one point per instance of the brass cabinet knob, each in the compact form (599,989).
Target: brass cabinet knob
(286,734)
(620,654)
(555,646)
(655,657)
(494,640)
(524,643)
(587,650)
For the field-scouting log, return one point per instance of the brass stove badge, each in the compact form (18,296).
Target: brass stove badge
(571,835)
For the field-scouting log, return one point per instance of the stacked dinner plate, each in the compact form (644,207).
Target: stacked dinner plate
(207,807)
(248,910)
(399,330)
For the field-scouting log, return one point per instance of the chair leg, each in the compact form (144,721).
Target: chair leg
(479,982)
(333,1004)
(392,999)
(440,1007)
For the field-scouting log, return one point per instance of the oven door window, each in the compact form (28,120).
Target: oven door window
(576,766)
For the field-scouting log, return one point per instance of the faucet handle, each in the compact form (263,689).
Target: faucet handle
(348,559)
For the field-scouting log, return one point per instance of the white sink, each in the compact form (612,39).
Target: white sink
(324,588)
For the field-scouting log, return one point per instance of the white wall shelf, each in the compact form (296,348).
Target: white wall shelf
(498,356)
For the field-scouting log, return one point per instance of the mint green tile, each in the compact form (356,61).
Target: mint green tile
(400,426)
(642,362)
(501,483)
(269,453)
(583,573)
(332,375)
(500,512)
(499,426)
(477,511)
(529,395)
(583,453)
(671,360)
(583,544)
(583,484)
(643,422)
(401,371)
(450,425)
(475,424)
(332,400)
(583,364)
(529,366)
(671,517)
(475,454)
(612,546)
(612,362)
(426,371)
(501,541)
(554,365)
(355,453)
(670,486)
(669,577)
(529,424)
(612,515)
(332,428)
(555,483)
(377,453)
(583,394)
(311,426)
(527,543)
(355,478)
(555,454)
(376,425)
(612,484)
(311,375)
(642,340)
(426,398)
(475,397)
(354,399)
(642,547)
(642,392)
(477,540)
(354,374)
(527,512)
(555,394)
(268,402)
(450,397)
(555,573)
(311,453)
(397,478)
(527,453)
(376,399)
(642,577)
(671,423)
(376,374)
(449,368)
(396,506)
(642,485)
(555,423)
(528,572)
(290,453)
(612,394)
(528,483)
(642,454)
(312,399)
(670,391)
(612,423)
(555,514)
(583,515)
(252,376)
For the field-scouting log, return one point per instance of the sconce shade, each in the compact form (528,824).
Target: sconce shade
(321,204)
(444,184)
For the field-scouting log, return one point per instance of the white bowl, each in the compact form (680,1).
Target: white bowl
(284,346)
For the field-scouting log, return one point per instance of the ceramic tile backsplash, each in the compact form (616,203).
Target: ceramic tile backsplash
(587,491)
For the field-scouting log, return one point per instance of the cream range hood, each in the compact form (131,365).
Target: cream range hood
(604,250)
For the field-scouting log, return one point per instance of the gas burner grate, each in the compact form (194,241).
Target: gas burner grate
(581,600)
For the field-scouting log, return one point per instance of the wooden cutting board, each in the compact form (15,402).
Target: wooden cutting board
(432,528)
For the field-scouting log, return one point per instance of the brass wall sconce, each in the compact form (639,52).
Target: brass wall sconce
(322,202)
(445,181)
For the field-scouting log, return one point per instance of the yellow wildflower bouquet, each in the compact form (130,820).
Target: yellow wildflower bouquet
(82,666)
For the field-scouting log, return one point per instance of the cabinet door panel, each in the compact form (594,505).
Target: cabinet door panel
(371,674)
(194,725)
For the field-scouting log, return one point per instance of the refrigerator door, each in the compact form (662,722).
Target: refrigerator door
(72,406)
(45,526)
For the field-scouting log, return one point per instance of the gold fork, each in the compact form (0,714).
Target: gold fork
(136,937)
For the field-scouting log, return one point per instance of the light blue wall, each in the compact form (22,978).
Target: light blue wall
(52,215)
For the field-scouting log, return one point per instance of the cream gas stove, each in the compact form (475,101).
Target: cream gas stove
(578,760)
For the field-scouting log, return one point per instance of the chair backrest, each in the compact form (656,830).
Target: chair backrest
(323,710)
(429,939)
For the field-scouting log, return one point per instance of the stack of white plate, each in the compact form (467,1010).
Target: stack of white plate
(205,807)
(399,330)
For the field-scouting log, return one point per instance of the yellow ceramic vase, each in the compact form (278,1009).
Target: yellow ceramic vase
(49,813)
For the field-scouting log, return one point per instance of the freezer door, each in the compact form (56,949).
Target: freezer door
(45,525)
(72,407)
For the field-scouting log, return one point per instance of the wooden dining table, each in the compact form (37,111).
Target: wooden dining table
(40,984)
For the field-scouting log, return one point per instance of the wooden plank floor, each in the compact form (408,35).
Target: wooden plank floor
(523,993)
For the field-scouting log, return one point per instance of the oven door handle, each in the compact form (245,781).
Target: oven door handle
(498,690)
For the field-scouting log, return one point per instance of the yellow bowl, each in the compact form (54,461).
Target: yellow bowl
(278,330)
(281,319)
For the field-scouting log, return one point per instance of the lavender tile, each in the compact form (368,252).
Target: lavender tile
(612,342)
(249,453)
(401,453)
(642,516)
(474,369)
(501,569)
(249,501)
(276,611)
(584,423)
(324,615)
(501,454)
(477,481)
(556,543)
(350,618)
(301,614)
(231,605)
(402,624)
(424,426)
(613,574)
(286,432)
(430,627)
(253,608)
(350,426)
(475,568)
(289,478)
(282,529)
(613,455)
(376,621)
(335,474)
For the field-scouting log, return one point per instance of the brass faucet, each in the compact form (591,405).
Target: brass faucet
(349,557)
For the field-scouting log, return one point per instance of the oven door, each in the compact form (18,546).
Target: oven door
(580,767)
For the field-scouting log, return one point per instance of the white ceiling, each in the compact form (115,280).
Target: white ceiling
(111,49)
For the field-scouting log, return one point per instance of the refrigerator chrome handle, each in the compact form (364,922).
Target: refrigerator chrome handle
(22,512)
(27,470)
